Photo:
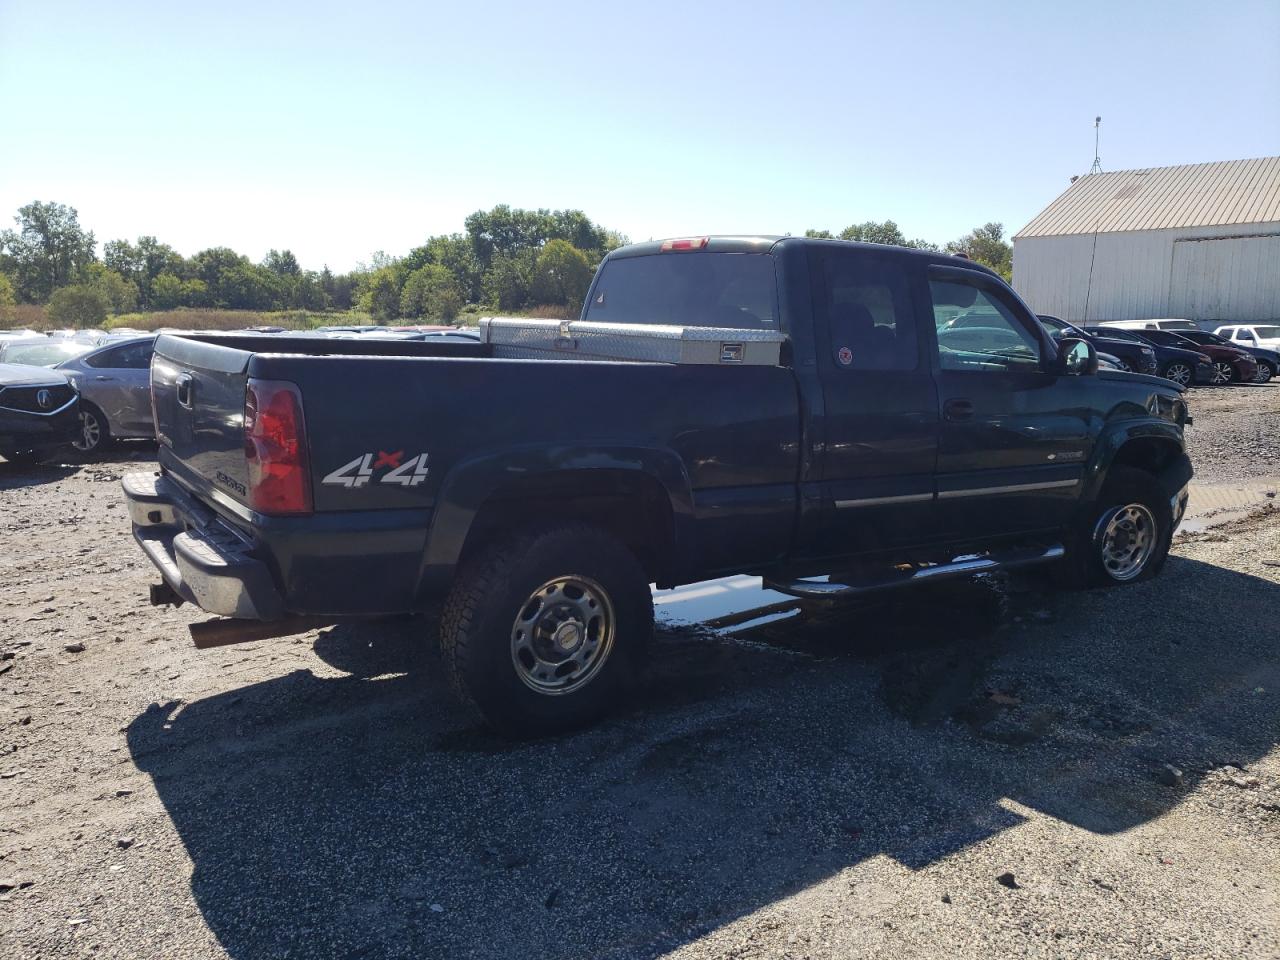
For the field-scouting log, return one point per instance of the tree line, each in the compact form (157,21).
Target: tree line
(506,259)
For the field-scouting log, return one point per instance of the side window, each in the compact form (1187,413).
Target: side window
(866,300)
(977,332)
(132,356)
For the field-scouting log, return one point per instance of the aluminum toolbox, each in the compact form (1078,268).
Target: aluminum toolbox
(516,338)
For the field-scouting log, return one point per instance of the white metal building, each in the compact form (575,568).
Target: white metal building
(1200,241)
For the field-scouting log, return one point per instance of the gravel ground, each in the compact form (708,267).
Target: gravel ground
(839,785)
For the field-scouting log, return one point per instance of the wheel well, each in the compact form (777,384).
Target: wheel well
(1146,453)
(631,506)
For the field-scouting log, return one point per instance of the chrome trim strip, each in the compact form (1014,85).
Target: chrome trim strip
(43,413)
(1011,488)
(881,501)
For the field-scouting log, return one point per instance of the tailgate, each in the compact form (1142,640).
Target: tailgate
(198,392)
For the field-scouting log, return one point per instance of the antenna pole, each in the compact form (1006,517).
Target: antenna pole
(1097,134)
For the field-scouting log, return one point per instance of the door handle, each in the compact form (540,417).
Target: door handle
(958,409)
(183,385)
(101,377)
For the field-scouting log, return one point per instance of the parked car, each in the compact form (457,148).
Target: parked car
(1268,359)
(115,391)
(1151,324)
(40,351)
(17,334)
(1246,335)
(1132,355)
(804,422)
(39,412)
(1230,364)
(1108,362)
(1182,366)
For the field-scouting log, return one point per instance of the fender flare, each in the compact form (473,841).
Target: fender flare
(1113,439)
(469,484)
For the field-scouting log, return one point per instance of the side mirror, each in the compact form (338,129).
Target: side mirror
(1076,357)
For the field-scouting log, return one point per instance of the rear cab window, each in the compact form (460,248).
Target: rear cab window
(695,289)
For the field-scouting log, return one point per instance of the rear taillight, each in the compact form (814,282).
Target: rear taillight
(275,448)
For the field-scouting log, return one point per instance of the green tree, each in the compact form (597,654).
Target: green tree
(561,275)
(47,249)
(167,292)
(430,291)
(7,299)
(380,293)
(121,294)
(986,245)
(456,254)
(78,306)
(819,234)
(506,282)
(282,263)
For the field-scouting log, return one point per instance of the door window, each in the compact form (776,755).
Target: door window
(866,301)
(131,356)
(977,332)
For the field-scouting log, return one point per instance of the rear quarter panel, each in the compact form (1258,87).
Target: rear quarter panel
(723,441)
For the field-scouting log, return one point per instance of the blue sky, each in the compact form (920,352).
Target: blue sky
(340,129)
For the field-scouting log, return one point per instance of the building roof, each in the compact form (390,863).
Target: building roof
(1192,195)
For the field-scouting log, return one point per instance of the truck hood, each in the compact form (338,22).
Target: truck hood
(22,375)
(1144,378)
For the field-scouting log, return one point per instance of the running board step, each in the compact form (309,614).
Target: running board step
(827,588)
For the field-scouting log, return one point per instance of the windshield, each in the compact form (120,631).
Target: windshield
(688,289)
(43,354)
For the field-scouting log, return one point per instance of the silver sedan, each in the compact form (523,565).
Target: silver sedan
(115,391)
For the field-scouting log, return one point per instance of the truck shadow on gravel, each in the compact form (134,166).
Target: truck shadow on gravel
(365,816)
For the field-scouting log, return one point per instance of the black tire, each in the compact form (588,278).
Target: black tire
(1179,372)
(1265,372)
(479,629)
(1086,563)
(90,443)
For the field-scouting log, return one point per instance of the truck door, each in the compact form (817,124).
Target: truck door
(881,407)
(1014,438)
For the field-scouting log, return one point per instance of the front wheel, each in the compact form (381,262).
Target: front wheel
(543,632)
(1223,373)
(1179,372)
(1264,374)
(94,435)
(1125,536)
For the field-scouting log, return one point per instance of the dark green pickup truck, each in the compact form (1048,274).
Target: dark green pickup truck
(835,417)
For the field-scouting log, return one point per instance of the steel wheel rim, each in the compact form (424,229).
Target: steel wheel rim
(90,432)
(1126,539)
(1221,372)
(1179,373)
(562,635)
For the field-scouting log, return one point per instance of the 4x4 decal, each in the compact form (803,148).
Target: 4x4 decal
(359,472)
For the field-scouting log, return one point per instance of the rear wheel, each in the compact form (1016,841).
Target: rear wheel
(1223,373)
(94,435)
(1179,372)
(1265,373)
(1125,537)
(544,632)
